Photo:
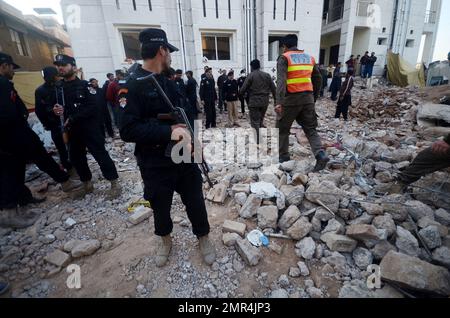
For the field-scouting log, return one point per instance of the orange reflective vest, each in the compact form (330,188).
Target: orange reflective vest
(300,68)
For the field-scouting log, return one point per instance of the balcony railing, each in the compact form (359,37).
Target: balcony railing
(430,17)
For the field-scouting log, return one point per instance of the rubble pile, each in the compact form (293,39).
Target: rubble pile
(389,103)
(313,235)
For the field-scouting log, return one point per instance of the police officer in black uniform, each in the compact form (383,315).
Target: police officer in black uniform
(45,99)
(140,125)
(191,95)
(102,108)
(82,123)
(19,144)
(208,96)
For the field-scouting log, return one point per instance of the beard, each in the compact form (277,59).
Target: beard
(67,74)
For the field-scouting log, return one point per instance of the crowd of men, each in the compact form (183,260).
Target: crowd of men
(78,113)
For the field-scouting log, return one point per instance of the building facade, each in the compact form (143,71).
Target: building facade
(407,27)
(225,34)
(27,41)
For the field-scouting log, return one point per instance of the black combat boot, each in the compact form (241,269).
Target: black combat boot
(322,160)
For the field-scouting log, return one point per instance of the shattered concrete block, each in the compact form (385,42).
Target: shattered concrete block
(306,248)
(300,229)
(431,236)
(229,239)
(339,243)
(411,272)
(234,227)
(294,195)
(441,255)
(249,253)
(267,217)
(362,232)
(250,208)
(406,242)
(289,217)
(85,248)
(241,187)
(240,198)
(442,216)
(58,258)
(218,193)
(139,215)
(418,210)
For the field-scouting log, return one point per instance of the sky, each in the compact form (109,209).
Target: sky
(441,50)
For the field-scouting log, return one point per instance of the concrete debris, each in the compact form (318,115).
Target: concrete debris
(234,227)
(140,214)
(250,254)
(335,223)
(411,272)
(250,208)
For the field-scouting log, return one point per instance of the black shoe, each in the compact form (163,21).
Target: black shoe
(322,161)
(4,287)
(285,159)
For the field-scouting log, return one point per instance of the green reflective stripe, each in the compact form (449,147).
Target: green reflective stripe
(300,68)
(299,81)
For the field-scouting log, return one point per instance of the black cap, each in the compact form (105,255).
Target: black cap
(289,40)
(156,36)
(62,59)
(49,73)
(5,58)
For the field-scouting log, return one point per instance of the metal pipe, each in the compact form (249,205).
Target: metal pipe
(394,24)
(182,35)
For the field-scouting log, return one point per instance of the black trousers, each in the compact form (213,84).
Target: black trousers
(222,102)
(106,122)
(13,191)
(243,101)
(425,163)
(159,187)
(210,110)
(58,140)
(90,138)
(342,107)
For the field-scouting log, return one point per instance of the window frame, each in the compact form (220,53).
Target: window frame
(20,42)
(216,35)
(124,52)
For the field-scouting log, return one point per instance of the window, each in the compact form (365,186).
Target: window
(134,5)
(229,9)
(131,45)
(204,8)
(411,32)
(150,5)
(409,43)
(117,5)
(285,10)
(18,39)
(217,47)
(382,41)
(274,46)
(384,30)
